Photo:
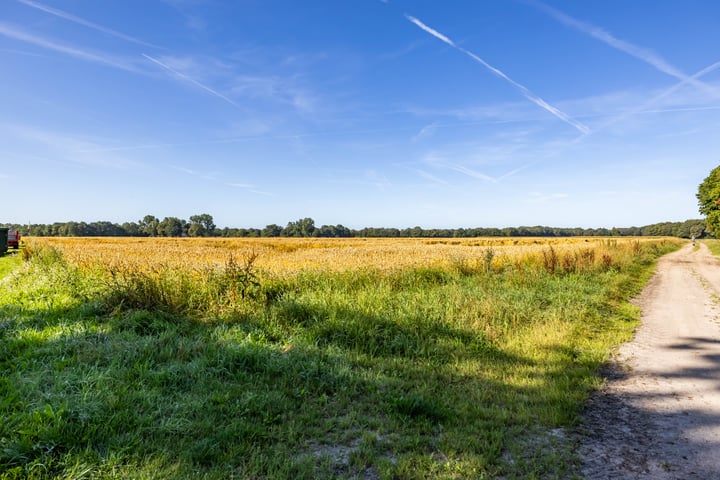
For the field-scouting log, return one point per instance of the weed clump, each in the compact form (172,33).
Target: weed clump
(203,290)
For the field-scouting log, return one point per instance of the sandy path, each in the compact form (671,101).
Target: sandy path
(659,415)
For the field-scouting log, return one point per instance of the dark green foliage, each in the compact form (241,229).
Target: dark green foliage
(272,230)
(709,200)
(201,226)
(305,227)
(172,227)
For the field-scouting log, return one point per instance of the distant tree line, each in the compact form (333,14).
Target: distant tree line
(203,226)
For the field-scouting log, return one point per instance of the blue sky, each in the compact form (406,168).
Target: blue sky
(396,113)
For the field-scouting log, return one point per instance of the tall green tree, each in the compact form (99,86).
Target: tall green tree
(305,227)
(272,230)
(171,227)
(149,225)
(201,225)
(709,200)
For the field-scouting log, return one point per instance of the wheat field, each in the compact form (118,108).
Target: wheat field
(290,255)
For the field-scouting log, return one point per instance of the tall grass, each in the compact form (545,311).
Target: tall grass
(181,290)
(465,370)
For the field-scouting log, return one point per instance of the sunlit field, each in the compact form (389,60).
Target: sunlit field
(307,358)
(287,255)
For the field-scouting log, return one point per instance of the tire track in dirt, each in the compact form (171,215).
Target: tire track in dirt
(658,416)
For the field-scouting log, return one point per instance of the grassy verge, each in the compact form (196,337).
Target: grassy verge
(417,373)
(713,245)
(9,262)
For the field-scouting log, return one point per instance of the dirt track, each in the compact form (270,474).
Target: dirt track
(659,415)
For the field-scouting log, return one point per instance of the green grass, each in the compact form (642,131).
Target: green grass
(713,245)
(414,374)
(9,262)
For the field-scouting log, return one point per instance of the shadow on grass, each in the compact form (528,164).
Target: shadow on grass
(380,336)
(149,393)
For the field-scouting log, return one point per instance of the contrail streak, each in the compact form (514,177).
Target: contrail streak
(644,107)
(191,80)
(431,31)
(640,53)
(80,21)
(584,129)
(12,32)
(471,173)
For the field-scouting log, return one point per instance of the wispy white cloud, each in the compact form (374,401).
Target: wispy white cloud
(217,178)
(430,177)
(146,146)
(471,173)
(282,89)
(281,77)
(191,80)
(302,101)
(524,90)
(67,147)
(468,171)
(279,88)
(197,143)
(482,176)
(683,82)
(647,56)
(531,96)
(425,132)
(497,114)
(401,52)
(677,110)
(646,107)
(199,67)
(211,176)
(86,23)
(262,192)
(488,159)
(377,179)
(20,52)
(255,86)
(515,171)
(194,22)
(13,32)
(219,141)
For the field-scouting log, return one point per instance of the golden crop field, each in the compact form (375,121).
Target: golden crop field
(287,255)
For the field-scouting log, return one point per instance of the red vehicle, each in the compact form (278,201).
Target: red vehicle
(13,239)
